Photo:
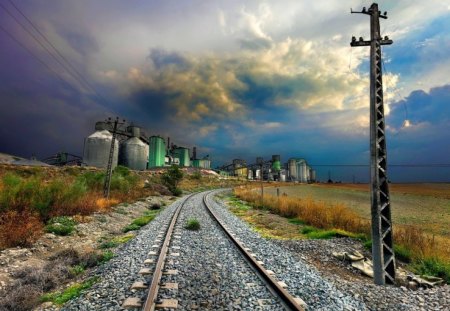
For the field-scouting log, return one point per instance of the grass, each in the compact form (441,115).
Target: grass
(31,198)
(433,267)
(61,225)
(314,233)
(116,241)
(192,224)
(105,257)
(71,292)
(77,269)
(327,220)
(140,221)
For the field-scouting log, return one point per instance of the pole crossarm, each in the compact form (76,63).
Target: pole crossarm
(382,236)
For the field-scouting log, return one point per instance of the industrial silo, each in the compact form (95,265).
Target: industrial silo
(97,147)
(133,151)
(196,163)
(182,154)
(276,164)
(312,175)
(157,151)
(302,171)
(292,168)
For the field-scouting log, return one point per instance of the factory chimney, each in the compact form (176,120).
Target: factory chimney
(194,153)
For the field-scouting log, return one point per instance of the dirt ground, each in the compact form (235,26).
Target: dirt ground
(90,232)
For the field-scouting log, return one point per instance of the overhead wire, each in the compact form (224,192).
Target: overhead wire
(69,64)
(37,58)
(68,68)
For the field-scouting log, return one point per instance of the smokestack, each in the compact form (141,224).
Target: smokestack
(168,143)
(194,153)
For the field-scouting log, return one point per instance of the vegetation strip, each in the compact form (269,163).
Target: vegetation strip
(428,255)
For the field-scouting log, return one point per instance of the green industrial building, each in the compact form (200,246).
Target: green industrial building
(157,152)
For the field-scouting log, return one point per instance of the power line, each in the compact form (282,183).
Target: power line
(69,64)
(391,165)
(37,58)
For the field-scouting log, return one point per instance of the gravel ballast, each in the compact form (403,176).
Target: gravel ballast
(212,274)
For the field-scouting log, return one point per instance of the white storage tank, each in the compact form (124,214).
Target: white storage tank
(97,147)
(134,152)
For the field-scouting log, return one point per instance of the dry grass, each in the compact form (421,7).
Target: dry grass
(422,246)
(19,228)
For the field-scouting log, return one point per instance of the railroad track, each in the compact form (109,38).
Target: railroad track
(152,302)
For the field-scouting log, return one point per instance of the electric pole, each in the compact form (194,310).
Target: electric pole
(382,244)
(107,185)
(260,161)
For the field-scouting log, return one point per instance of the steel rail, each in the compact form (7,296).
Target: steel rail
(287,299)
(150,302)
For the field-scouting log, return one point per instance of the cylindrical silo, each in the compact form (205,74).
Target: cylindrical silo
(303,171)
(312,174)
(182,154)
(292,167)
(97,147)
(196,163)
(133,151)
(276,163)
(157,151)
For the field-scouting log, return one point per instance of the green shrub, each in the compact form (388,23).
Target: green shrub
(130,227)
(105,257)
(196,175)
(93,180)
(71,292)
(61,225)
(315,233)
(171,178)
(432,267)
(77,270)
(308,229)
(40,196)
(192,224)
(108,244)
(402,253)
(143,220)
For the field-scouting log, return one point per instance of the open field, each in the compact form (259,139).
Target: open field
(424,205)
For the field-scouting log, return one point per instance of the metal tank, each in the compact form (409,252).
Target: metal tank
(312,175)
(133,151)
(276,163)
(302,171)
(157,151)
(182,154)
(196,163)
(292,168)
(97,147)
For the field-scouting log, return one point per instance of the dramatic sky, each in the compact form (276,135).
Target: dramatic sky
(238,79)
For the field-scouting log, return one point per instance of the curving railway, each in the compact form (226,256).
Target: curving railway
(224,265)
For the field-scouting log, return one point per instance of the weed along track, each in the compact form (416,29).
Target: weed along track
(196,255)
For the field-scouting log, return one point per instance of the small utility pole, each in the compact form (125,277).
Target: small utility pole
(382,244)
(107,185)
(260,161)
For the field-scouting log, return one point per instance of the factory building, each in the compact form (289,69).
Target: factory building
(300,171)
(136,150)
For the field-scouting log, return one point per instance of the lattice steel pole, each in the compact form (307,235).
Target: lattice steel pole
(382,243)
